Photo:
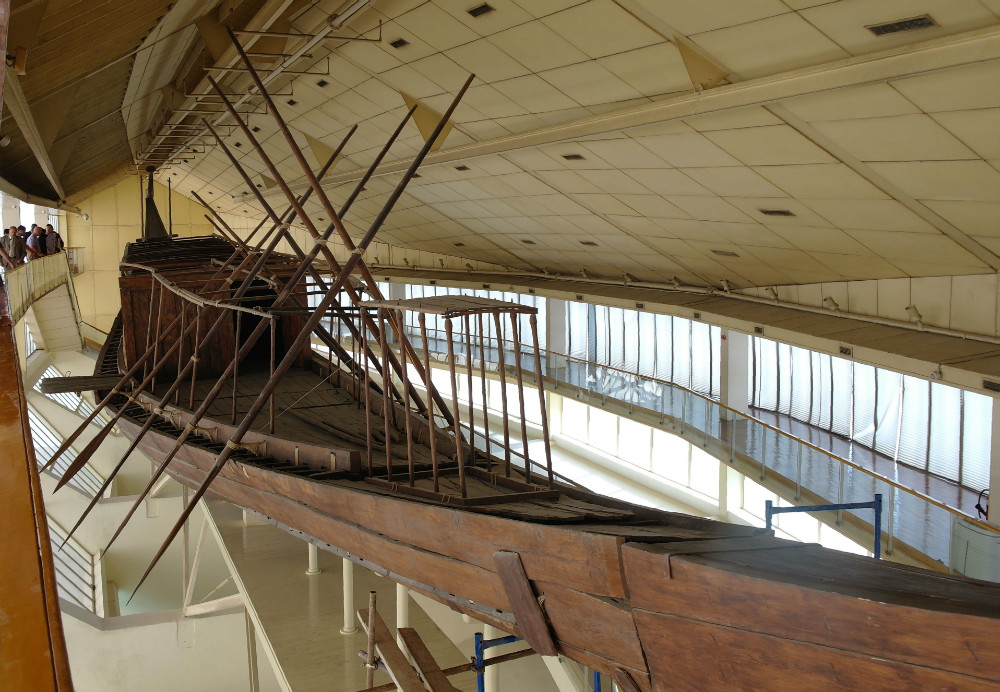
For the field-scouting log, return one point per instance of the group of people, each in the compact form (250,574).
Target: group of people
(20,245)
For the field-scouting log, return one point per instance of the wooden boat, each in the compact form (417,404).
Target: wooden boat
(353,455)
(661,601)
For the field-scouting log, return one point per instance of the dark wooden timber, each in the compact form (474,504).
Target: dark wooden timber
(424,662)
(530,617)
(78,383)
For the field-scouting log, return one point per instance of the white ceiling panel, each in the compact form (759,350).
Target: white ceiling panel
(768,146)
(777,44)
(896,138)
(964,180)
(601,27)
(957,89)
(819,181)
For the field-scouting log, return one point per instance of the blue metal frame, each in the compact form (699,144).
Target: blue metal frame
(481,646)
(597,681)
(770,510)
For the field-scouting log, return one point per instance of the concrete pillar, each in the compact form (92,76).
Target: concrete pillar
(349,627)
(313,560)
(734,370)
(492,675)
(402,611)
(995,463)
(555,334)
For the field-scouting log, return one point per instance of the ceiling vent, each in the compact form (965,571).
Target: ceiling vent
(776,212)
(846,351)
(462,168)
(588,242)
(922,22)
(459,244)
(528,242)
(255,129)
(238,144)
(725,253)
(399,43)
(322,83)
(480,10)
(992,386)
(573,157)
(292,102)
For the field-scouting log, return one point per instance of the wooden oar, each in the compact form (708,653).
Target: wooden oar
(303,337)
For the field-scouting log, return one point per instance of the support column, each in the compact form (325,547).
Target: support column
(734,370)
(995,465)
(313,560)
(402,611)
(555,335)
(349,626)
(492,675)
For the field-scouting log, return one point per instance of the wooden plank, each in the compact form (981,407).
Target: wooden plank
(531,620)
(827,598)
(689,656)
(388,651)
(424,661)
(82,383)
(32,648)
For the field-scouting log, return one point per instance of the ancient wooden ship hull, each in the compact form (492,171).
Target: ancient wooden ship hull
(217,384)
(658,600)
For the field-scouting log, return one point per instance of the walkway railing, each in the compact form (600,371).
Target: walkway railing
(29,282)
(914,524)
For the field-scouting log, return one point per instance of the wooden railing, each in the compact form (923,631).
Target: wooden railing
(32,648)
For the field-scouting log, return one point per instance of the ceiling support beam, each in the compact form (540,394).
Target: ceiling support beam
(981,45)
(18,105)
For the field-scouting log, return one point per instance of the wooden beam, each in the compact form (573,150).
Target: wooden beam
(532,623)
(424,662)
(400,670)
(17,104)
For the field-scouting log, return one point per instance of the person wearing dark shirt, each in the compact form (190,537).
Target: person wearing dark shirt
(53,241)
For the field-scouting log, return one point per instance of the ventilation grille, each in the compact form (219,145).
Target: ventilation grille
(399,43)
(591,243)
(573,157)
(776,212)
(528,242)
(846,351)
(758,330)
(322,83)
(725,253)
(992,386)
(292,102)
(480,10)
(462,168)
(459,244)
(921,22)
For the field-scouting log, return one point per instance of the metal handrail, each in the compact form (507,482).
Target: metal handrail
(792,438)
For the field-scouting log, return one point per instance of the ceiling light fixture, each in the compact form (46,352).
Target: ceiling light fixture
(915,315)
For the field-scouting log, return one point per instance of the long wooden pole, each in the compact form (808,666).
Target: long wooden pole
(482,378)
(502,369)
(407,425)
(303,337)
(519,373)
(322,198)
(539,381)
(459,458)
(431,428)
